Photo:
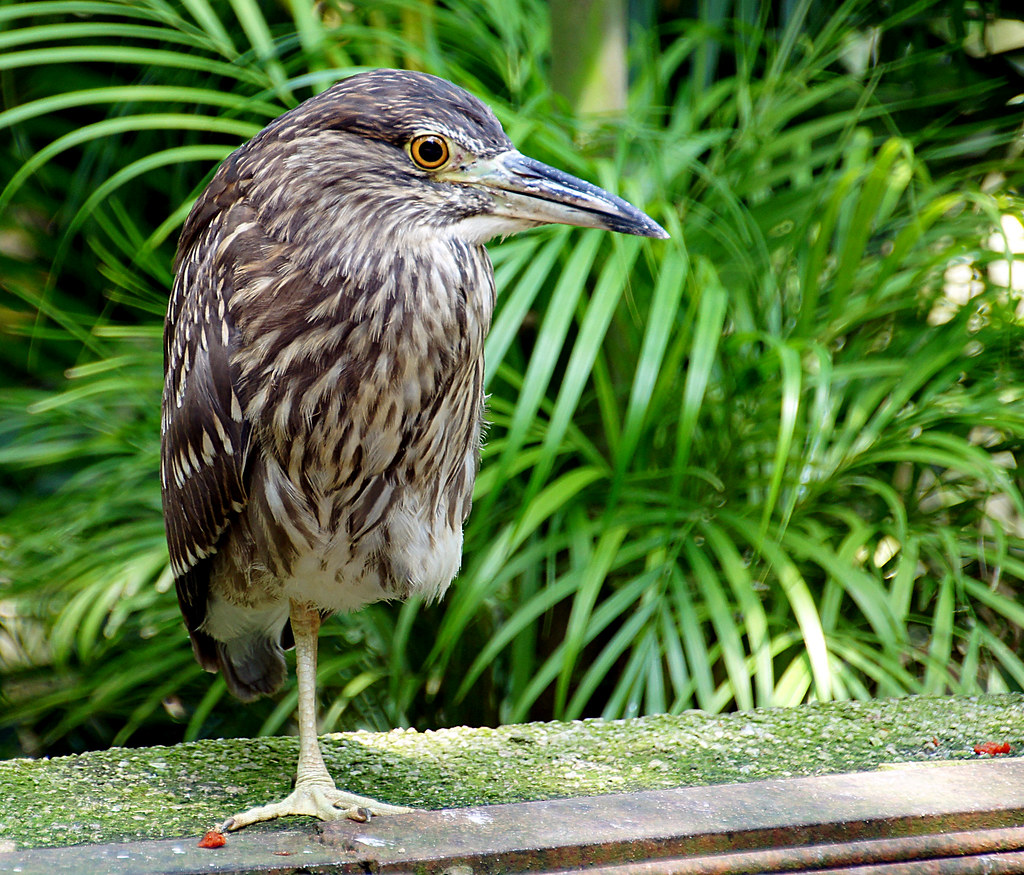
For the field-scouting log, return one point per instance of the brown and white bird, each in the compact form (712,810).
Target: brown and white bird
(323,359)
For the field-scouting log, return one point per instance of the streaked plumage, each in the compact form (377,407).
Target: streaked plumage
(324,362)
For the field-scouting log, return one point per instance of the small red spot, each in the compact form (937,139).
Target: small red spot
(992,748)
(214,838)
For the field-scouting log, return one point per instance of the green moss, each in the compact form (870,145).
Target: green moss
(158,792)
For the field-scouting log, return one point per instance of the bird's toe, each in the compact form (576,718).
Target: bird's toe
(326,803)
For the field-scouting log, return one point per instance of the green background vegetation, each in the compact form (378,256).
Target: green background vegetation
(747,466)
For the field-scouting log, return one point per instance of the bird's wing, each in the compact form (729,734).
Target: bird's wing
(205,437)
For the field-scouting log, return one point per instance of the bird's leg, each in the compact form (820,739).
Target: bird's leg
(315,793)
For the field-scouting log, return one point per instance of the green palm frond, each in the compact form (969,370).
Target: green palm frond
(742,467)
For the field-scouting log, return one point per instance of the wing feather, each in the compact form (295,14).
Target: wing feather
(205,438)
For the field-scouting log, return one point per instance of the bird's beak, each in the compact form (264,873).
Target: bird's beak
(527,193)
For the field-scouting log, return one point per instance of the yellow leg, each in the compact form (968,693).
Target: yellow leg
(315,793)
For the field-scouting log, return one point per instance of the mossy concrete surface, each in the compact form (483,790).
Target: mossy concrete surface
(126,794)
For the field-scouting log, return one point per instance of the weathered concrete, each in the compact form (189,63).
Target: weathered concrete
(962,817)
(159,792)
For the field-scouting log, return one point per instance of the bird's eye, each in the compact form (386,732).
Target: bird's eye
(429,151)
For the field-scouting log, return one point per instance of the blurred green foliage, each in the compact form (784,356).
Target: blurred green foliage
(765,462)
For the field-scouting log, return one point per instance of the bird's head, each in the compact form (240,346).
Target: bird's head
(410,151)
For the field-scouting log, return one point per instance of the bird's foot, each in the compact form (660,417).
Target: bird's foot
(315,800)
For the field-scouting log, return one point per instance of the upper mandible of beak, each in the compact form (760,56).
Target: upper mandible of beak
(528,193)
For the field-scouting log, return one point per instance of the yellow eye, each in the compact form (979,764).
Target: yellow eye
(429,151)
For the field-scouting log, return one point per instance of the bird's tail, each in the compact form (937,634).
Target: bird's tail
(253,665)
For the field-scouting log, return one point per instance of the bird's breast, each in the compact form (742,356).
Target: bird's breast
(366,401)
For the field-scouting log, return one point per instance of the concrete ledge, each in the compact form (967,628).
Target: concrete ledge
(951,818)
(162,792)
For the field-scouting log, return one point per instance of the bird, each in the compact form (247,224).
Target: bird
(323,392)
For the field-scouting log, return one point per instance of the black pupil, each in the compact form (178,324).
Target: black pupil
(431,151)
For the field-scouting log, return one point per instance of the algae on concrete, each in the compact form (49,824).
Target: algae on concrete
(125,794)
